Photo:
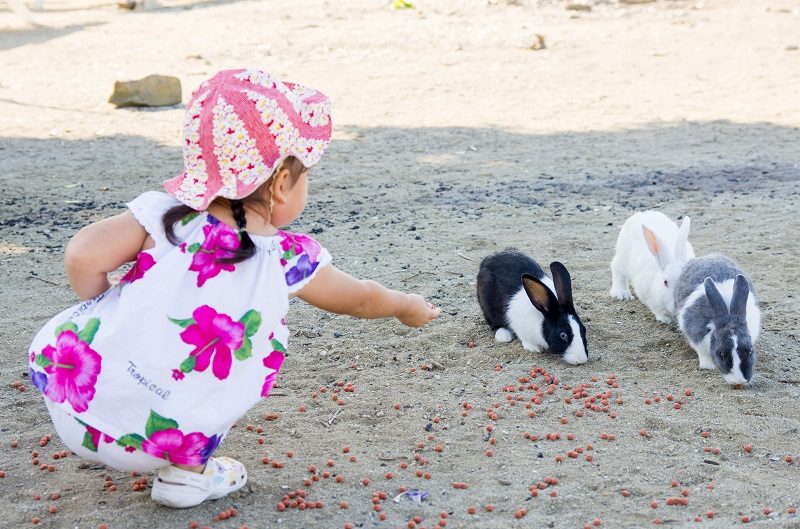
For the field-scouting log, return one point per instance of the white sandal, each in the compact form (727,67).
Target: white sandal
(175,487)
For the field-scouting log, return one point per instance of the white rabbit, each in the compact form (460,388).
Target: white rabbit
(651,252)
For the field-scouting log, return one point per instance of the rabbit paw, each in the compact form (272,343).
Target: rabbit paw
(503,335)
(620,293)
(664,318)
(705,361)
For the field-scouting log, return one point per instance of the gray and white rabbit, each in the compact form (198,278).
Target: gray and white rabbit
(651,251)
(518,298)
(719,315)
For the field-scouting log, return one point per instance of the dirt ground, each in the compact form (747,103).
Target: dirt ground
(453,139)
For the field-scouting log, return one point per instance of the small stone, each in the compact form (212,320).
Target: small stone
(152,91)
(578,7)
(538,43)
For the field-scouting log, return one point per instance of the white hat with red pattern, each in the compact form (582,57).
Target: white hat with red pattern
(239,126)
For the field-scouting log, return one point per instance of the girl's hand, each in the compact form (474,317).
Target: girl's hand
(416,312)
(340,293)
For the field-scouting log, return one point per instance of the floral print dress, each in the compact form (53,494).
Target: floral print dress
(167,360)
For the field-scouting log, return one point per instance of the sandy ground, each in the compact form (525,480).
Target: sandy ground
(453,140)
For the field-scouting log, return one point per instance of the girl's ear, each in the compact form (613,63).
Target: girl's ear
(281,184)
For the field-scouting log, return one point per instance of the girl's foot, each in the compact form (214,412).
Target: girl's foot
(179,488)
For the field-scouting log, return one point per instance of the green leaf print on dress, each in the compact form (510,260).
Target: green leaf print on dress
(189,218)
(89,330)
(157,423)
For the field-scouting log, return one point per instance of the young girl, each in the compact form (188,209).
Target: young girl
(150,374)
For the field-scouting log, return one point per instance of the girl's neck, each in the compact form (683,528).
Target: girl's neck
(256,224)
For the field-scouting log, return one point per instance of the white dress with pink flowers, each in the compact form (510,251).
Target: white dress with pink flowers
(166,361)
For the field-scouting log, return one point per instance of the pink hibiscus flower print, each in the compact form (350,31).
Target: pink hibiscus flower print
(213,334)
(272,361)
(176,447)
(144,262)
(299,243)
(219,243)
(73,368)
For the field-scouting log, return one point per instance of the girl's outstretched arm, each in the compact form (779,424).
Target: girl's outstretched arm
(100,248)
(336,291)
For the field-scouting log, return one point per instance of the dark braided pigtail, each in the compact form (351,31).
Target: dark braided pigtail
(259,202)
(184,214)
(180,213)
(247,247)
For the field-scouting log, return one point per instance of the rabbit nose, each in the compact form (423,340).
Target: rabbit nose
(735,378)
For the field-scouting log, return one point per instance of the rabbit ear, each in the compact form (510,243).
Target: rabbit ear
(563,284)
(715,299)
(542,297)
(741,289)
(657,247)
(682,241)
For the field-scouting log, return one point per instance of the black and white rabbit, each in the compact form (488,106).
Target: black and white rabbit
(719,315)
(517,298)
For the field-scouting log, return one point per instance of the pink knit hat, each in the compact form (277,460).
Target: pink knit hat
(239,126)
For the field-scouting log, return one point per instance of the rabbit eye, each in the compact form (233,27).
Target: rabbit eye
(564,336)
(666,283)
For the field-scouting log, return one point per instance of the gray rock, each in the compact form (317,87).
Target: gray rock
(152,91)
(578,7)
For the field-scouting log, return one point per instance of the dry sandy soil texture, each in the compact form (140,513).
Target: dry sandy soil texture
(453,139)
